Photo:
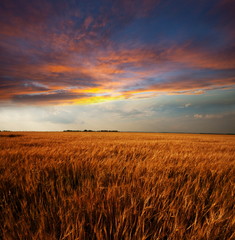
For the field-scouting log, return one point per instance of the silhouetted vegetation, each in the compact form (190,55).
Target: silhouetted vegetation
(90,130)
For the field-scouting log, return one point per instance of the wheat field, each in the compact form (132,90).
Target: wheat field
(130,186)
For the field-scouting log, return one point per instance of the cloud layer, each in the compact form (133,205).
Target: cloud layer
(76,52)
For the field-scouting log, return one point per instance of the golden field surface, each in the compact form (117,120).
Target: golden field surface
(130,186)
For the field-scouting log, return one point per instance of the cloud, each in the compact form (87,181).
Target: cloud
(198,116)
(213,116)
(72,53)
(52,97)
(210,116)
(187,105)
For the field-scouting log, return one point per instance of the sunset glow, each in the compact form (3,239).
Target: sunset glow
(137,63)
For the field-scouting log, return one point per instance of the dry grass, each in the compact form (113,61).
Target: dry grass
(117,186)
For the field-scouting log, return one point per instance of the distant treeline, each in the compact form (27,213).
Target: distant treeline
(90,130)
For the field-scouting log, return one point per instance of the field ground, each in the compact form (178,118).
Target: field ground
(130,186)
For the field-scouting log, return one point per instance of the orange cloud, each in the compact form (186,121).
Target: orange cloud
(73,55)
(58,68)
(202,59)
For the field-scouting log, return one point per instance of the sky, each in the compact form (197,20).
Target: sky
(144,65)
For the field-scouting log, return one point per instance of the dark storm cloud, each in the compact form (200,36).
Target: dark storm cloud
(48,98)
